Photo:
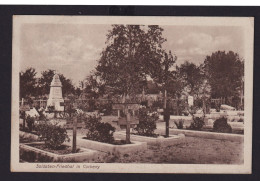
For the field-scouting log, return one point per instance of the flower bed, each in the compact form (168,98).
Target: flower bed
(35,152)
(111,148)
(160,140)
(207,134)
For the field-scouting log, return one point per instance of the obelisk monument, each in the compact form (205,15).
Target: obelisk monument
(55,96)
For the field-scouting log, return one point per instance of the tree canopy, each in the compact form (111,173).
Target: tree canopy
(128,57)
(191,76)
(28,83)
(224,71)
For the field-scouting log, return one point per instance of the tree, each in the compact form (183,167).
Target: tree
(45,81)
(67,86)
(195,84)
(125,62)
(224,71)
(163,75)
(28,83)
(93,86)
(152,87)
(192,77)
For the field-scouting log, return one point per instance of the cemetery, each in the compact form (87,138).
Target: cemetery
(137,105)
(53,134)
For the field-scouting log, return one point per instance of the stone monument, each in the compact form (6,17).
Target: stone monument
(190,100)
(55,96)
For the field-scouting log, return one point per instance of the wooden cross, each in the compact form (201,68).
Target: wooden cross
(126,107)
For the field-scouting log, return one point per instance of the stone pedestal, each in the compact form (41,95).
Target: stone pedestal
(55,96)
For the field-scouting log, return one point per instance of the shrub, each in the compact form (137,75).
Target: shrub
(91,105)
(41,114)
(147,123)
(197,124)
(179,124)
(30,122)
(221,125)
(99,131)
(52,134)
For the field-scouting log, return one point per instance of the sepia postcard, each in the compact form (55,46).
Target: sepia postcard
(124,94)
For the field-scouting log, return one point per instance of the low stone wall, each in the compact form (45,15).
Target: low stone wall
(208,135)
(110,148)
(30,136)
(172,140)
(27,151)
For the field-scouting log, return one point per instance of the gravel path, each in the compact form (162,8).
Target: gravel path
(191,151)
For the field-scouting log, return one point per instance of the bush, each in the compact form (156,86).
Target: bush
(30,122)
(99,131)
(221,126)
(91,105)
(197,123)
(147,123)
(41,114)
(52,134)
(179,124)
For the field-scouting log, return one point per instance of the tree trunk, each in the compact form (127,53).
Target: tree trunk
(166,114)
(74,141)
(127,127)
(127,121)
(177,106)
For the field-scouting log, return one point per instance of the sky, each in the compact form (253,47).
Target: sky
(73,50)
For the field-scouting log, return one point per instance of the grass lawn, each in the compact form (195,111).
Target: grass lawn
(192,151)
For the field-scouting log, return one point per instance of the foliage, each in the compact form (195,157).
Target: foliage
(69,109)
(27,83)
(99,131)
(30,122)
(105,108)
(94,88)
(152,87)
(191,77)
(163,73)
(179,124)
(91,105)
(52,134)
(147,123)
(130,53)
(221,125)
(197,124)
(51,109)
(224,71)
(157,104)
(30,87)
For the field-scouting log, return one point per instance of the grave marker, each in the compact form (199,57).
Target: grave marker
(126,107)
(55,97)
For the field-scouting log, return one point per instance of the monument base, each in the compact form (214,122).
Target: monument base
(57,103)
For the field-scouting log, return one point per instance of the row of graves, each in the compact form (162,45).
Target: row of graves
(53,135)
(46,137)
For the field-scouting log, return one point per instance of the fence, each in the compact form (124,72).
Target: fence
(177,105)
(35,103)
